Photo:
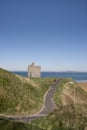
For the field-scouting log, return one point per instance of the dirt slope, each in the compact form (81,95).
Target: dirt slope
(83,85)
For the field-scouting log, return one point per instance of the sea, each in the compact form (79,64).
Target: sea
(77,76)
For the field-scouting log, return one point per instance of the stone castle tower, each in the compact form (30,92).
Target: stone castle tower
(34,71)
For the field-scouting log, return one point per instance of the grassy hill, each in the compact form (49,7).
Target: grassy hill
(68,92)
(64,118)
(71,111)
(19,95)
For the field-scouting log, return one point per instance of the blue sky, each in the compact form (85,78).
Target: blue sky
(52,33)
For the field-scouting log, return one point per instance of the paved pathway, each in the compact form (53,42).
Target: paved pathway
(48,105)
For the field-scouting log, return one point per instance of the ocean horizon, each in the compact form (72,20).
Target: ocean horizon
(77,76)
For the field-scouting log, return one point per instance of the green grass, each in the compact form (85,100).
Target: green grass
(64,118)
(19,97)
(6,124)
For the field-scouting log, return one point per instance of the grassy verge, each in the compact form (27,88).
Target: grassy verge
(6,124)
(64,118)
(59,91)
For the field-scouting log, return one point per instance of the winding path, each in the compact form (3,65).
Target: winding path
(48,105)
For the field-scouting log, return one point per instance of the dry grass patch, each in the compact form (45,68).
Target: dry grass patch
(28,80)
(68,92)
(83,85)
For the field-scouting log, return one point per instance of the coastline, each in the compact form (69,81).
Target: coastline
(81,81)
(78,77)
